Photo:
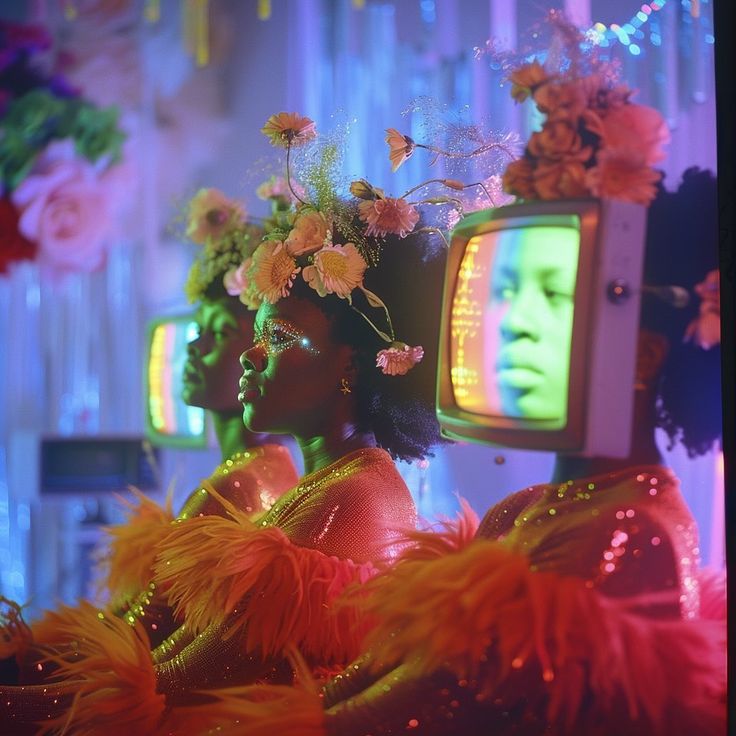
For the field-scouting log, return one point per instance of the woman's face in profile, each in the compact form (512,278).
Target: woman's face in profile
(292,374)
(532,299)
(212,369)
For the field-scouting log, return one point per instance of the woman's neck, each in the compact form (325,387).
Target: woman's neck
(323,450)
(232,436)
(644,450)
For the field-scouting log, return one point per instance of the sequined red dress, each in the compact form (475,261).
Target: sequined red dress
(573,612)
(248,592)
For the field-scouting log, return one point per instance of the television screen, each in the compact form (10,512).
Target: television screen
(539,326)
(169,421)
(514,360)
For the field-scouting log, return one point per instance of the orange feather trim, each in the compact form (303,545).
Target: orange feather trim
(111,675)
(261,710)
(127,563)
(488,616)
(51,629)
(276,593)
(450,535)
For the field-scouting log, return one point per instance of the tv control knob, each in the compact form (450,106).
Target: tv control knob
(618,291)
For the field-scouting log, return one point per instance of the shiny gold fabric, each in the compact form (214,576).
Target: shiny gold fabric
(252,480)
(353,509)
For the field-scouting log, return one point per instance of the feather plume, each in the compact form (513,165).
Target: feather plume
(111,674)
(127,562)
(272,591)
(256,710)
(52,629)
(488,616)
(263,710)
(446,537)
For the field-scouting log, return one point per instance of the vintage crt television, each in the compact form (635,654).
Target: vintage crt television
(539,326)
(169,421)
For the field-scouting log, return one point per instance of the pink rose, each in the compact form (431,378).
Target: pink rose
(236,280)
(65,208)
(633,126)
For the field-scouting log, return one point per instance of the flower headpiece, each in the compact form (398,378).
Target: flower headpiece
(594,141)
(303,243)
(330,243)
(218,224)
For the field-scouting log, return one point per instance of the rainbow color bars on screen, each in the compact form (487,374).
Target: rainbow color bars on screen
(170,422)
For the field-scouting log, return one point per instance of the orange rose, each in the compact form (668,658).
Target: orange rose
(560,180)
(310,232)
(622,174)
(526,79)
(558,139)
(518,179)
(561,101)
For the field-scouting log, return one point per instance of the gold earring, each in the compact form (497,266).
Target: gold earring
(345,386)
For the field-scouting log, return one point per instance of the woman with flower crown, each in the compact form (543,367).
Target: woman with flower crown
(326,367)
(576,608)
(255,470)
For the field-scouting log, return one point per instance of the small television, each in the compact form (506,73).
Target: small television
(539,326)
(92,465)
(169,421)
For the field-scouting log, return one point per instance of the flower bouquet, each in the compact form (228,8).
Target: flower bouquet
(593,142)
(57,152)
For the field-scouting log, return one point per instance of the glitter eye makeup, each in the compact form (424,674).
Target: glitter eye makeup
(277,335)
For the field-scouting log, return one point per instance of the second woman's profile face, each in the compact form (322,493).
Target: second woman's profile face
(292,374)
(212,369)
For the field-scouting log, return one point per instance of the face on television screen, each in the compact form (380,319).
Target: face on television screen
(511,324)
(169,418)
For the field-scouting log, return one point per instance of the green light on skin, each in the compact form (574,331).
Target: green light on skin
(531,299)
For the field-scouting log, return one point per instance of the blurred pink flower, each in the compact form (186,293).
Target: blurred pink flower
(622,174)
(276,187)
(399,359)
(632,126)
(107,67)
(705,329)
(389,215)
(66,209)
(237,282)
